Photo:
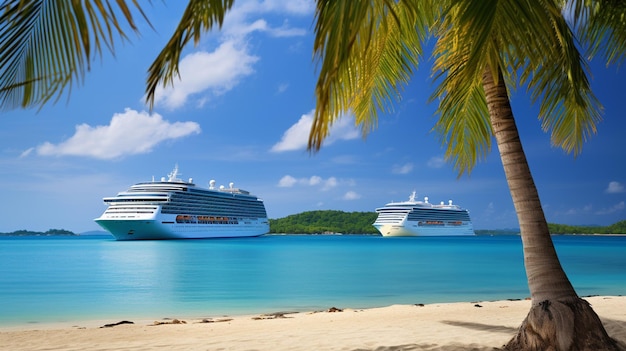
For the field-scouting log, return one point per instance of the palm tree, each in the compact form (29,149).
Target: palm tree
(483,49)
(368,50)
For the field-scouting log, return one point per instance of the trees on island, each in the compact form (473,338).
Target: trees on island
(329,222)
(368,50)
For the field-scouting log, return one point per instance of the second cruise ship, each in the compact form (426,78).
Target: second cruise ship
(421,218)
(176,209)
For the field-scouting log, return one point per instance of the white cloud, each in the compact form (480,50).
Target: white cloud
(351,195)
(297,136)
(343,129)
(221,70)
(614,188)
(218,71)
(402,169)
(589,209)
(436,162)
(27,152)
(301,7)
(237,22)
(615,208)
(286,31)
(326,184)
(314,180)
(129,133)
(330,183)
(282,87)
(287,181)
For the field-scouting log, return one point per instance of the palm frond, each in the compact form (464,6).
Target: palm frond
(464,127)
(48,45)
(557,76)
(532,45)
(199,17)
(601,25)
(464,48)
(368,51)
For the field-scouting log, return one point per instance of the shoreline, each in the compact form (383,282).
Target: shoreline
(478,326)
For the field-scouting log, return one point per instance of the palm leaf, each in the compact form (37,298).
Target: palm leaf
(199,17)
(368,51)
(48,45)
(530,42)
(602,26)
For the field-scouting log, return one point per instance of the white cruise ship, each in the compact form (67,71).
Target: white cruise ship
(177,209)
(421,218)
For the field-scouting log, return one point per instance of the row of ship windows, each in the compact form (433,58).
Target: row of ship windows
(439,223)
(234,202)
(257,211)
(214,196)
(440,215)
(198,210)
(215,212)
(155,187)
(217,203)
(187,198)
(130,209)
(424,223)
(427,214)
(206,219)
(441,218)
(178,199)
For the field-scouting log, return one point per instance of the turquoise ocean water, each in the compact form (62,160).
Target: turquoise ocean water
(65,279)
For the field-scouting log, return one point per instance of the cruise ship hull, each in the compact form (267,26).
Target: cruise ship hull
(415,230)
(150,229)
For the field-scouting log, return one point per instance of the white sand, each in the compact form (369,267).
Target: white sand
(455,326)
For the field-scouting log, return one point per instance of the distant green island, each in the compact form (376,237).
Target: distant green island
(331,222)
(340,222)
(325,222)
(50,232)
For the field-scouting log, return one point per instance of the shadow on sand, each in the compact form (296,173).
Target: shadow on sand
(613,328)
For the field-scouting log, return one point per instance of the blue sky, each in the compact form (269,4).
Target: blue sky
(241,113)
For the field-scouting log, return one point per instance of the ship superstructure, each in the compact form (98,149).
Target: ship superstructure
(422,218)
(176,209)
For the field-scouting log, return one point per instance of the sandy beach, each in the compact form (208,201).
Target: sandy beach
(484,325)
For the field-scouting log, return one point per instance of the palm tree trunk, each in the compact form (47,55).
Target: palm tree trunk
(558,319)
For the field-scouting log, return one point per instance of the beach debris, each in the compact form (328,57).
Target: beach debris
(173,321)
(274,315)
(210,320)
(477,305)
(114,324)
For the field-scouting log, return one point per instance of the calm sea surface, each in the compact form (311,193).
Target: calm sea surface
(61,279)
